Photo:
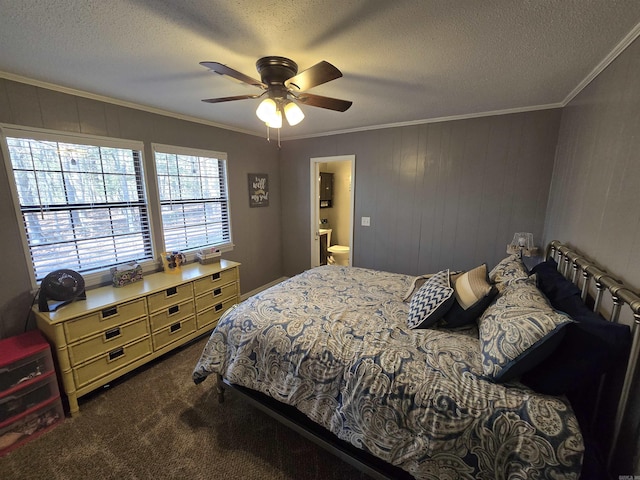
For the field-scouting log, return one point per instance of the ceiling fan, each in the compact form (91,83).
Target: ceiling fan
(282,84)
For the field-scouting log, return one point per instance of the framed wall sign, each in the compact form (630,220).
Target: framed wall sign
(258,190)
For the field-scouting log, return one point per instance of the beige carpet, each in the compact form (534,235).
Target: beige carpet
(156,424)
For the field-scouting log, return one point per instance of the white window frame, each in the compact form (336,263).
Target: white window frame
(96,277)
(221,156)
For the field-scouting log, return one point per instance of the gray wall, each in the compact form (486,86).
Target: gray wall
(594,203)
(439,195)
(255,231)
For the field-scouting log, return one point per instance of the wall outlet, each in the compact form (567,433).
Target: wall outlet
(366,221)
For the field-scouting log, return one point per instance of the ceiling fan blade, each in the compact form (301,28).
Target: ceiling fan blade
(320,73)
(230,99)
(224,70)
(324,102)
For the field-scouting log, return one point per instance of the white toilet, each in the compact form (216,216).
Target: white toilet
(339,254)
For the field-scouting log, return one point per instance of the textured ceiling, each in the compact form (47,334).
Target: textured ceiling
(403,61)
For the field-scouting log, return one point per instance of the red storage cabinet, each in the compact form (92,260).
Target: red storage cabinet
(29,397)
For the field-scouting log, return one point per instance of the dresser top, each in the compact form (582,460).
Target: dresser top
(103,297)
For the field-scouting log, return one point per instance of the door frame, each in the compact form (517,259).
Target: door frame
(314,182)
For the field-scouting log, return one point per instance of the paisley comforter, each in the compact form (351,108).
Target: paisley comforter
(333,342)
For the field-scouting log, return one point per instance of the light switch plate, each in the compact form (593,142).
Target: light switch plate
(366,221)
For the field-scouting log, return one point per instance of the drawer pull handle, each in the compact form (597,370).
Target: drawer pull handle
(172,291)
(217,292)
(218,307)
(215,276)
(118,352)
(175,327)
(174,309)
(114,332)
(108,312)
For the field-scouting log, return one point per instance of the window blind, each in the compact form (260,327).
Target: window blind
(192,186)
(83,204)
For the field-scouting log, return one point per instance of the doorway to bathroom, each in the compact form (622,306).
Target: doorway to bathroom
(332,181)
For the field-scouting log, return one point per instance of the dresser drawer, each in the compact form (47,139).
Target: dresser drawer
(171,315)
(215,296)
(209,317)
(212,281)
(108,340)
(170,296)
(103,320)
(111,361)
(173,332)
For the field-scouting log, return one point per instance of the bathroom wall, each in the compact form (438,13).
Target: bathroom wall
(339,215)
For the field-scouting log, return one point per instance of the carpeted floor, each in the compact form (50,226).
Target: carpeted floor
(156,424)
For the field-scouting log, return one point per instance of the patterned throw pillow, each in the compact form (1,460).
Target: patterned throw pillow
(518,331)
(508,269)
(431,301)
(472,286)
(420,280)
(415,286)
(473,294)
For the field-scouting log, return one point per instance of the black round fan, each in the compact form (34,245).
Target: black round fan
(63,287)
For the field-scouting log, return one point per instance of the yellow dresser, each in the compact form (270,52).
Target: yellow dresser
(116,330)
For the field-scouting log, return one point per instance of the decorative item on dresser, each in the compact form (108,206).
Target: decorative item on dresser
(29,397)
(122,275)
(119,329)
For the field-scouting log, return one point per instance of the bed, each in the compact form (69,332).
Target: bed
(446,375)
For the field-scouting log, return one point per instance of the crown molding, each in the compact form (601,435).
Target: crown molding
(431,120)
(618,49)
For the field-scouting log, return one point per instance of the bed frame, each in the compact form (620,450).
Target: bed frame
(300,423)
(587,275)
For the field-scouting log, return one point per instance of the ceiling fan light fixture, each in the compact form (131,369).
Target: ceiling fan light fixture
(293,113)
(276,121)
(283,86)
(267,111)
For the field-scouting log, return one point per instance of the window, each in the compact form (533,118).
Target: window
(192,186)
(81,199)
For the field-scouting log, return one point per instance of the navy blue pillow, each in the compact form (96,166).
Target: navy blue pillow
(590,347)
(458,317)
(552,283)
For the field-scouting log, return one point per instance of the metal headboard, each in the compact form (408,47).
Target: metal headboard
(585,273)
